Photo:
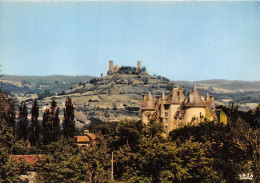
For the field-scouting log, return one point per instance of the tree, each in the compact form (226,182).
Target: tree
(68,121)
(63,163)
(23,121)
(155,126)
(96,159)
(8,168)
(247,138)
(7,114)
(35,128)
(7,110)
(55,121)
(56,125)
(129,133)
(8,171)
(46,127)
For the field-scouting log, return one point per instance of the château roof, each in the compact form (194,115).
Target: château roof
(163,95)
(211,106)
(197,101)
(176,96)
(148,102)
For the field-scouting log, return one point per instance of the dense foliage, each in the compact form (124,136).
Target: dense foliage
(208,152)
(8,171)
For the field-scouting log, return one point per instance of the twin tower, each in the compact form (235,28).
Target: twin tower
(114,69)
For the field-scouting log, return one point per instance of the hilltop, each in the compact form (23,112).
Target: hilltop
(114,97)
(118,95)
(27,87)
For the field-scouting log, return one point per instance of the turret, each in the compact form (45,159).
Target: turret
(163,96)
(150,102)
(110,65)
(138,66)
(147,108)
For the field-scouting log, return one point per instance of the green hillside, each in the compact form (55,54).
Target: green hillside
(47,79)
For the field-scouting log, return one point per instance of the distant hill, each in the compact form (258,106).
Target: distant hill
(21,86)
(244,93)
(230,85)
(47,79)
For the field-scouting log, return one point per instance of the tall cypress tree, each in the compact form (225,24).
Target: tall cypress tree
(56,124)
(46,127)
(54,120)
(51,119)
(68,121)
(35,128)
(23,121)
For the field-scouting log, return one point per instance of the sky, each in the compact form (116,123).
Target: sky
(178,40)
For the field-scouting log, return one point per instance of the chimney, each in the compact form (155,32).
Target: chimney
(191,96)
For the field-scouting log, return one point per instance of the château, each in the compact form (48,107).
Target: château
(176,110)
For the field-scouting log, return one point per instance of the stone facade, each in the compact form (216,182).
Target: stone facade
(177,110)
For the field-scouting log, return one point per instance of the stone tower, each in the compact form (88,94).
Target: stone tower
(138,67)
(110,65)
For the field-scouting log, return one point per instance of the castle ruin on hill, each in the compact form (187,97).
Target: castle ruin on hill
(176,110)
(126,69)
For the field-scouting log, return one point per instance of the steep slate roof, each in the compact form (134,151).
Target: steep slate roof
(169,97)
(181,95)
(149,102)
(163,96)
(197,98)
(176,96)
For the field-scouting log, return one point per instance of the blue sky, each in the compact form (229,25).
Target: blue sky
(179,40)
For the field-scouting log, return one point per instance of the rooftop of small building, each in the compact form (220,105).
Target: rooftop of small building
(30,158)
(85,138)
